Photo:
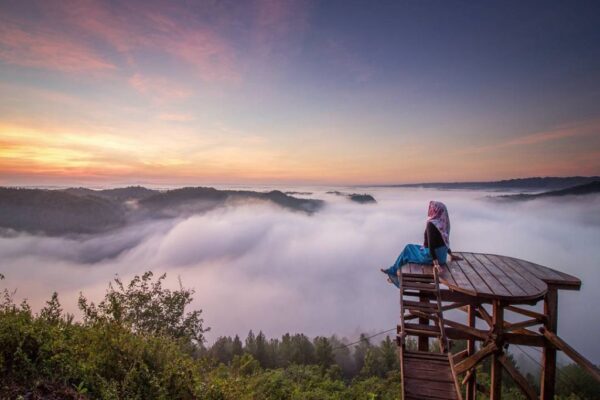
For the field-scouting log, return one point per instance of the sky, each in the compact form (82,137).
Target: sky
(304,92)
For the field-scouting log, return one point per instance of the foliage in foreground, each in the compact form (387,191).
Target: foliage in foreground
(139,343)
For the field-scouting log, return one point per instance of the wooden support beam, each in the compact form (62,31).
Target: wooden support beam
(572,353)
(453,296)
(524,339)
(455,376)
(496,375)
(513,326)
(484,315)
(519,379)
(472,361)
(482,335)
(471,382)
(527,313)
(523,331)
(468,377)
(452,306)
(549,353)
(445,295)
(461,355)
(423,341)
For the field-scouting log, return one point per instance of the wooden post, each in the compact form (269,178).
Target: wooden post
(423,341)
(549,354)
(472,381)
(498,326)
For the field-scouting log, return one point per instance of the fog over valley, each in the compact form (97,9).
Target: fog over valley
(256,264)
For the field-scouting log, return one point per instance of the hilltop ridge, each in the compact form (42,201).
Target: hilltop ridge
(529,184)
(82,210)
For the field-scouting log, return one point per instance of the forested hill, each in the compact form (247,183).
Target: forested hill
(141,342)
(527,184)
(580,190)
(82,210)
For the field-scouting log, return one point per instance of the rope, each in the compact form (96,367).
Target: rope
(558,371)
(362,339)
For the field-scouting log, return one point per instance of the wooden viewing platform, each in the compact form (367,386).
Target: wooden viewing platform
(484,286)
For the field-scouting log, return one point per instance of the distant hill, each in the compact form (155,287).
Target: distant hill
(355,197)
(194,199)
(528,184)
(119,194)
(55,212)
(83,210)
(579,190)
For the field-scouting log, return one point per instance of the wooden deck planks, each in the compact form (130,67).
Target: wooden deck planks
(476,281)
(495,277)
(496,287)
(506,281)
(550,276)
(526,286)
(525,272)
(460,278)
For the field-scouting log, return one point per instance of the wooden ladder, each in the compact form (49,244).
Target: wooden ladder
(425,375)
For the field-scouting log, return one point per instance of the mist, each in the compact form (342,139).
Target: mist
(261,267)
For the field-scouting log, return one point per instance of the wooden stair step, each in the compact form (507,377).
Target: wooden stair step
(420,305)
(427,287)
(421,397)
(418,279)
(425,355)
(421,329)
(442,390)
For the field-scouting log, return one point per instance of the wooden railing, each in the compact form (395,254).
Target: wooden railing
(572,353)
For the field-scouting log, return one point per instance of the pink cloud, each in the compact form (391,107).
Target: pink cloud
(161,27)
(172,117)
(158,88)
(33,47)
(567,131)
(69,34)
(559,133)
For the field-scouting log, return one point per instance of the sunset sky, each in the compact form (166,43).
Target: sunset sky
(307,92)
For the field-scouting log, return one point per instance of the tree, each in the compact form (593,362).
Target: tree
(52,311)
(285,352)
(360,351)
(576,380)
(342,356)
(146,307)
(303,352)
(250,343)
(389,354)
(236,346)
(260,353)
(323,352)
(222,350)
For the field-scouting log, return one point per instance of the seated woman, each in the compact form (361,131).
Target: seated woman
(436,246)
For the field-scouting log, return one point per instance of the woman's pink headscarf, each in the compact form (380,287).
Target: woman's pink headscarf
(438,216)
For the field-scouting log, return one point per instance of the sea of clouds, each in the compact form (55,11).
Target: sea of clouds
(261,267)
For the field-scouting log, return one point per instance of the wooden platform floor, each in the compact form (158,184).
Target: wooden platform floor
(497,277)
(427,376)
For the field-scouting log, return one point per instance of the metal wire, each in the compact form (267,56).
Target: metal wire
(558,371)
(363,339)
